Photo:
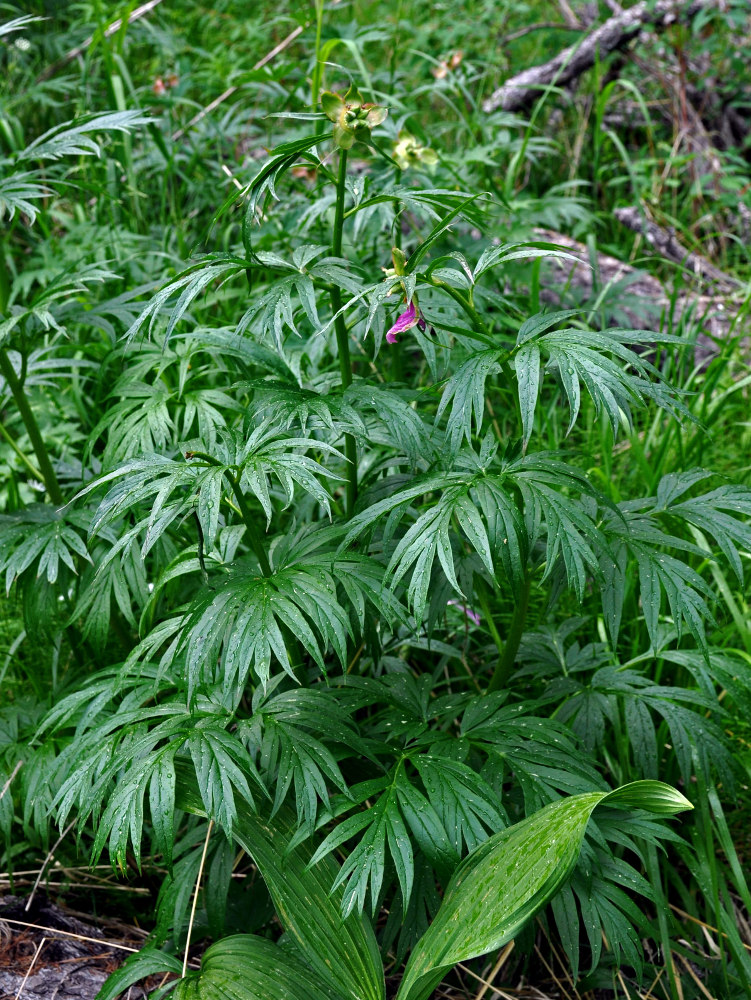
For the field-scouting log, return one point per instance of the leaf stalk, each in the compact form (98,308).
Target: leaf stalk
(32,429)
(507,658)
(250,526)
(342,338)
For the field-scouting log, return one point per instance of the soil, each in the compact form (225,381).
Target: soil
(48,953)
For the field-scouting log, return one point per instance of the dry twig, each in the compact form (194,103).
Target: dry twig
(111,29)
(31,967)
(13,773)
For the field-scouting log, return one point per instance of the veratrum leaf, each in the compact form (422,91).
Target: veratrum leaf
(511,876)
(245,967)
(144,963)
(341,950)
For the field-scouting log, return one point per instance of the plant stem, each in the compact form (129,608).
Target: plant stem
(482,597)
(32,428)
(318,68)
(463,301)
(250,523)
(513,639)
(342,338)
(24,458)
(253,537)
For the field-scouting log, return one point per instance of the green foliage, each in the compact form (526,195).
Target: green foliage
(328,546)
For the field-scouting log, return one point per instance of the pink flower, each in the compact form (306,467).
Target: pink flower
(472,615)
(405,322)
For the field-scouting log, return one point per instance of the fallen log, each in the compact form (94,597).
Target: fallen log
(520,91)
(667,244)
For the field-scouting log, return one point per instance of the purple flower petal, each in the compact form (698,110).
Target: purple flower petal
(405,322)
(472,615)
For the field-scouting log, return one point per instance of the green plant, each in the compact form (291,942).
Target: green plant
(392,565)
(490,896)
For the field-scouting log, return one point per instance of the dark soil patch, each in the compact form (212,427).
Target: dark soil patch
(46,952)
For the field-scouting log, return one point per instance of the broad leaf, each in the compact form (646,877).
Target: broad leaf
(245,967)
(511,876)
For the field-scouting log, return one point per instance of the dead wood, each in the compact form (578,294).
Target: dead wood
(628,297)
(666,243)
(521,90)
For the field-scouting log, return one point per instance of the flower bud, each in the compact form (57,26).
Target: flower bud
(352,118)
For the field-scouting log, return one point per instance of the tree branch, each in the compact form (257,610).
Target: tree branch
(617,31)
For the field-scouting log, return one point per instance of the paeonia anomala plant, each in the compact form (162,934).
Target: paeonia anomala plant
(329,559)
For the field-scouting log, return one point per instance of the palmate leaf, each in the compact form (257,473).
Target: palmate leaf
(244,352)
(430,201)
(245,618)
(274,309)
(244,621)
(725,669)
(19,192)
(616,377)
(635,533)
(456,808)
(140,745)
(247,621)
(511,876)
(155,416)
(263,184)
(120,574)
(40,536)
(287,403)
(640,531)
(539,752)
(723,513)
(365,866)
(465,804)
(430,536)
(607,911)
(507,252)
(51,307)
(465,390)
(591,707)
(172,488)
(191,283)
(487,508)
(20,189)
(273,312)
(75,138)
(392,420)
(289,735)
